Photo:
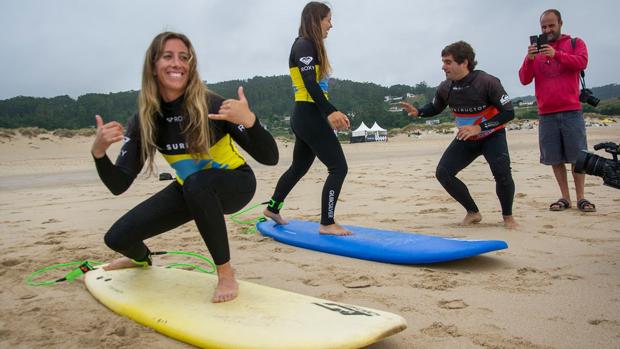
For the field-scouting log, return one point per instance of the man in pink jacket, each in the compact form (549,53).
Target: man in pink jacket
(555,70)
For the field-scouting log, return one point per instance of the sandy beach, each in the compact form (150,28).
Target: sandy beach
(556,286)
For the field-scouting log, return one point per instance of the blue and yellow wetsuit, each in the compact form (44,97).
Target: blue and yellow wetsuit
(304,67)
(205,189)
(314,136)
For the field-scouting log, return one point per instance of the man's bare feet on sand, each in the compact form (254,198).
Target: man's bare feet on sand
(276,217)
(333,229)
(227,288)
(471,218)
(510,223)
(121,263)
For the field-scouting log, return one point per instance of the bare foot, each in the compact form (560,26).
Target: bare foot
(333,229)
(471,218)
(276,217)
(227,287)
(121,263)
(510,223)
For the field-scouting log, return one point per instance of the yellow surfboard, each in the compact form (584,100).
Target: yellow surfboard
(178,304)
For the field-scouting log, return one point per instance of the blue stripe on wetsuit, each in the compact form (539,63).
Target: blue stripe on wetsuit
(185,168)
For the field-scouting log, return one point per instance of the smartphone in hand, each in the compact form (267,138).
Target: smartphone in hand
(538,40)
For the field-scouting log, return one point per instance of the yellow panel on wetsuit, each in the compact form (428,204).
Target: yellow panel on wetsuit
(304,61)
(222,155)
(301,93)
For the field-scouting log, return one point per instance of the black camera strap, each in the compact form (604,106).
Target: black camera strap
(582,74)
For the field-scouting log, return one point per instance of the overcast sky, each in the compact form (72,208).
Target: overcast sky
(73,47)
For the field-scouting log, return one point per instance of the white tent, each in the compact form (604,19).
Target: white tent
(376,134)
(376,127)
(360,131)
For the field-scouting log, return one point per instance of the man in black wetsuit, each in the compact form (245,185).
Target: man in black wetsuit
(481,107)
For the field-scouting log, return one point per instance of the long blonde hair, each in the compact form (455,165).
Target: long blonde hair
(310,28)
(195,105)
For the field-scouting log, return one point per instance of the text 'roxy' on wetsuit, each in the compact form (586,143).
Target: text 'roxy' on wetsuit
(306,76)
(171,143)
(314,137)
(216,183)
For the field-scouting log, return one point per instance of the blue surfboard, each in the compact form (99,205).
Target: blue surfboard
(379,245)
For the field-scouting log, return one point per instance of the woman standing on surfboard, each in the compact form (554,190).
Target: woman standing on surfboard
(314,119)
(193,129)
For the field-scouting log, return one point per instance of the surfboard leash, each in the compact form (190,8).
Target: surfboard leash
(251,222)
(84,267)
(187,265)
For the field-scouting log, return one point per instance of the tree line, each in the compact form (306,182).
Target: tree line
(271,98)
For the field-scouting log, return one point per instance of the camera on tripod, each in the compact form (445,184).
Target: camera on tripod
(595,165)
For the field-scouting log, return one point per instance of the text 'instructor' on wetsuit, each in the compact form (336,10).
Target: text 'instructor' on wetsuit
(481,107)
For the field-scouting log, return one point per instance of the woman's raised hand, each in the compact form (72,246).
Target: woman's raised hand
(236,111)
(107,134)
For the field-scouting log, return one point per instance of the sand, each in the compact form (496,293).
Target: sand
(556,286)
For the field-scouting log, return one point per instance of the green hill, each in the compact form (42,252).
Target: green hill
(271,98)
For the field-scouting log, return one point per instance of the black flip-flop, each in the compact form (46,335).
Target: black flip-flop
(586,206)
(560,205)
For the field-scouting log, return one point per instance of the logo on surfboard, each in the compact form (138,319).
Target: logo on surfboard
(346,310)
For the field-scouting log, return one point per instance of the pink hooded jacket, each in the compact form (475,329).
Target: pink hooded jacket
(557,78)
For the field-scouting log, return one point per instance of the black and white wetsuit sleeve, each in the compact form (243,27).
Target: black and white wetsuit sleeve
(256,141)
(497,97)
(439,102)
(118,177)
(305,57)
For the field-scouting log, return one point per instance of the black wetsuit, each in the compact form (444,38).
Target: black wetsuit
(218,183)
(314,137)
(477,99)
